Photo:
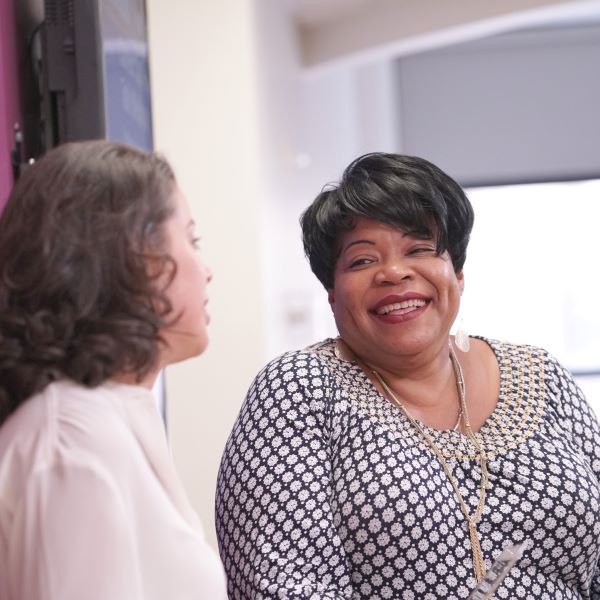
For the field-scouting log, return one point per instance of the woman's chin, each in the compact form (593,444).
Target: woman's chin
(198,348)
(194,346)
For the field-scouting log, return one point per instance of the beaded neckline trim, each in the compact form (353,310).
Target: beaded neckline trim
(516,417)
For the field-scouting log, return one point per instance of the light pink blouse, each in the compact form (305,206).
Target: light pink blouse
(91,506)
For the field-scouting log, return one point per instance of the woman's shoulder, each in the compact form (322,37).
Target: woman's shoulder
(315,359)
(64,423)
(300,378)
(516,351)
(37,421)
(537,364)
(65,402)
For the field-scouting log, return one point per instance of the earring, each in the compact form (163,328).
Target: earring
(461,337)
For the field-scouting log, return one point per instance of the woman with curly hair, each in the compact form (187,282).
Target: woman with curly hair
(100,288)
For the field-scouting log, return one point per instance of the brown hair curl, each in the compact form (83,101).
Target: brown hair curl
(81,252)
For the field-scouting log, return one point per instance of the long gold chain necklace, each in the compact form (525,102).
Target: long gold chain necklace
(472,519)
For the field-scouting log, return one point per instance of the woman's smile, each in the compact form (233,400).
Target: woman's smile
(397,308)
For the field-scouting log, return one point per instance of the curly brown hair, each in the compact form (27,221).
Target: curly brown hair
(82,252)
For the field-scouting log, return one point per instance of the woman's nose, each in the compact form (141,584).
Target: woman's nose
(392,272)
(209,274)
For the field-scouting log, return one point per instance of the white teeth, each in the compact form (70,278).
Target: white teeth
(384,310)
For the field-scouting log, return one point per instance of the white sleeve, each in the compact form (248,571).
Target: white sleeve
(71,539)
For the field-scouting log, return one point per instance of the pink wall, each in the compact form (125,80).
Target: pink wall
(9,94)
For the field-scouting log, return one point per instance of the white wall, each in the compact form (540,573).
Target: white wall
(204,93)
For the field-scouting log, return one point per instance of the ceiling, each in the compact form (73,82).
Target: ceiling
(336,32)
(309,13)
(314,12)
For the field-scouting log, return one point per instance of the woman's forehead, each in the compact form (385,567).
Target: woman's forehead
(363,225)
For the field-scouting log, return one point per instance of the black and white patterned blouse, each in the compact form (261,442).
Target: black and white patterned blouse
(326,490)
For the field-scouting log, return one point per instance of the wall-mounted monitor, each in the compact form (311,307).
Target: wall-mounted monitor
(95,75)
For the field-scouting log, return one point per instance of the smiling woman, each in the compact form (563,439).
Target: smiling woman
(396,461)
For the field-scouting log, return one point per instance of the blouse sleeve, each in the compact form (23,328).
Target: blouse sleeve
(71,539)
(582,424)
(579,418)
(276,530)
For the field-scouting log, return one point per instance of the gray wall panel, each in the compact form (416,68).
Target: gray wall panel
(515,108)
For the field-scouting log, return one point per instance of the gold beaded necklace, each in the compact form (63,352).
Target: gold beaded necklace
(472,519)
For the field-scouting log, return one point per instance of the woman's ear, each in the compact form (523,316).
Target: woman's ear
(330,297)
(460,276)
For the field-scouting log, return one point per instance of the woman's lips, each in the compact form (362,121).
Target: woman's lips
(398,308)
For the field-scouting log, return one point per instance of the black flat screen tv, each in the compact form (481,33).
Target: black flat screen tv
(95,74)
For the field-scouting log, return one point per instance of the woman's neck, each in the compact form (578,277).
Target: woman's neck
(147,381)
(425,384)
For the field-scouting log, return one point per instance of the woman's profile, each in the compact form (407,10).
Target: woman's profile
(101,286)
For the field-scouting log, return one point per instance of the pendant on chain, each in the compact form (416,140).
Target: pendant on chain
(478,562)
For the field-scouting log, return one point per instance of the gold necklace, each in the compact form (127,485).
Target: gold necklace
(458,418)
(472,519)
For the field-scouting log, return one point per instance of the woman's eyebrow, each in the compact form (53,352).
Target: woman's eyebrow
(353,243)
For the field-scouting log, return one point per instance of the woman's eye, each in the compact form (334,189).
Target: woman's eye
(360,262)
(422,250)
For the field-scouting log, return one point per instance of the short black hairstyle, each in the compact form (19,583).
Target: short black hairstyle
(404,191)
